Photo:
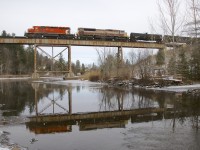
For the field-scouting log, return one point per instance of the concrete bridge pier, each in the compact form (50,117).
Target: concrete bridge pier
(120,55)
(69,66)
(119,59)
(35,75)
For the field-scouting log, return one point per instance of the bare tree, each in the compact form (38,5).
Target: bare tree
(143,64)
(171,18)
(133,60)
(193,24)
(171,22)
(107,61)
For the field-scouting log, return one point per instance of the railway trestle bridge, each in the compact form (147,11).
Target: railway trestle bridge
(68,43)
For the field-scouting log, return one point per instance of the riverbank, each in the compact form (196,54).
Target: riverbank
(160,85)
(181,88)
(7,144)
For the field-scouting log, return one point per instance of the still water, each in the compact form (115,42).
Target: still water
(109,118)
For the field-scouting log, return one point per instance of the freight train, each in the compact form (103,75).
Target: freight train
(100,34)
(134,37)
(48,32)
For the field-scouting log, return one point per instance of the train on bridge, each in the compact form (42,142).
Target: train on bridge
(100,34)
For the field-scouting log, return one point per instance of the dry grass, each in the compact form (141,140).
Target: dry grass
(92,76)
(95,75)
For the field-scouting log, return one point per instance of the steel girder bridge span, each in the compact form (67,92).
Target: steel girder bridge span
(66,44)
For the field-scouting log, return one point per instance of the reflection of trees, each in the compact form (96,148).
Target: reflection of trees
(78,88)
(112,99)
(52,93)
(191,104)
(182,106)
(46,90)
(150,98)
(179,107)
(16,95)
(142,99)
(105,97)
(119,99)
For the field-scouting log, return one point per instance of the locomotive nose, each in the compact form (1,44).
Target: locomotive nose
(67,31)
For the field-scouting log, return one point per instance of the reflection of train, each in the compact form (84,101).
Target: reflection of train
(100,34)
(49,127)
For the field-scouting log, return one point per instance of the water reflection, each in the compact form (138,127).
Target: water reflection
(15,96)
(53,98)
(56,108)
(118,99)
(116,107)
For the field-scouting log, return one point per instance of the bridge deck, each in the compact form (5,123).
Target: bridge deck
(75,42)
(92,115)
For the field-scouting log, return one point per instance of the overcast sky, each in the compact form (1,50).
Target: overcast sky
(129,15)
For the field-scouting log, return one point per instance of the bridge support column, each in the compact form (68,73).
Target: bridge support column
(119,59)
(69,67)
(35,75)
(52,59)
(70,99)
(36,88)
(69,59)
(120,55)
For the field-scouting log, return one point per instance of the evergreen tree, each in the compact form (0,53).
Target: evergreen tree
(128,62)
(78,67)
(172,66)
(16,59)
(61,63)
(94,67)
(183,68)
(4,33)
(1,60)
(73,67)
(160,57)
(195,63)
(29,53)
(83,69)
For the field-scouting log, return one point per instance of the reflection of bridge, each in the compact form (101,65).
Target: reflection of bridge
(52,101)
(51,123)
(98,120)
(94,115)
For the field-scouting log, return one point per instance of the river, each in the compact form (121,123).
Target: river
(98,117)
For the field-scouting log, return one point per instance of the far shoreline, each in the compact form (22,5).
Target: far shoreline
(59,80)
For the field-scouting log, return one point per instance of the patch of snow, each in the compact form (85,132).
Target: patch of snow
(20,78)
(1,148)
(182,88)
(77,82)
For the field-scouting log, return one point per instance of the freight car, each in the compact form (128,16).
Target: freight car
(135,37)
(49,32)
(102,34)
(177,39)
